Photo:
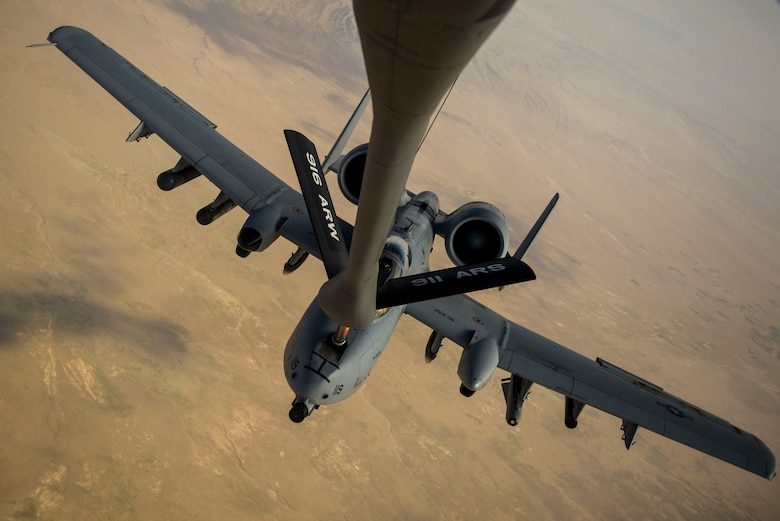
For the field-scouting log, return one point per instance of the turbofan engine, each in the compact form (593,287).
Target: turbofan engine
(475,232)
(350,172)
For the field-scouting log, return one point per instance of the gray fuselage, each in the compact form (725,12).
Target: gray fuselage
(319,372)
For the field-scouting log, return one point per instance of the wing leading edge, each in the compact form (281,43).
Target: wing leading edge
(596,383)
(189,133)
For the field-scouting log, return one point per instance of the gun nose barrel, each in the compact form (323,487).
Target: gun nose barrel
(301,409)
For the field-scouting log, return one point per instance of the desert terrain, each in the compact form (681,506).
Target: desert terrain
(141,359)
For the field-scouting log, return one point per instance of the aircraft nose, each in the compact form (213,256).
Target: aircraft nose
(309,385)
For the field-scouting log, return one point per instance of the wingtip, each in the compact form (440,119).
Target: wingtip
(766,465)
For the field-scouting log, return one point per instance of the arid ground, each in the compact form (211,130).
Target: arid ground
(141,359)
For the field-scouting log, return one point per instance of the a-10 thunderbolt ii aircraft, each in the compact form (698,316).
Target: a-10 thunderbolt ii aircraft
(379,270)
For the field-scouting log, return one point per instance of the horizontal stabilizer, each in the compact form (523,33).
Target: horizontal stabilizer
(318,202)
(453,281)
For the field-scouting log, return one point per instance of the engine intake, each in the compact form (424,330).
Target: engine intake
(475,232)
(350,173)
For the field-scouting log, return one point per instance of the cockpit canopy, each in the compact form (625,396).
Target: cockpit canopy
(395,260)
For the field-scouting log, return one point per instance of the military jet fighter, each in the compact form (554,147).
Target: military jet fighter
(378,269)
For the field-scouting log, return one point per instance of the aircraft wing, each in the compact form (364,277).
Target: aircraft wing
(192,135)
(595,382)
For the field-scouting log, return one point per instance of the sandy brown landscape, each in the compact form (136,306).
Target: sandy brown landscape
(141,359)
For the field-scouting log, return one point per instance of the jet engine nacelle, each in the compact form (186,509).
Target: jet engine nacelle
(261,229)
(350,173)
(475,232)
(477,364)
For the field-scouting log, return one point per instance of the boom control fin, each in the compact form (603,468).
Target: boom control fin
(318,202)
(453,281)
